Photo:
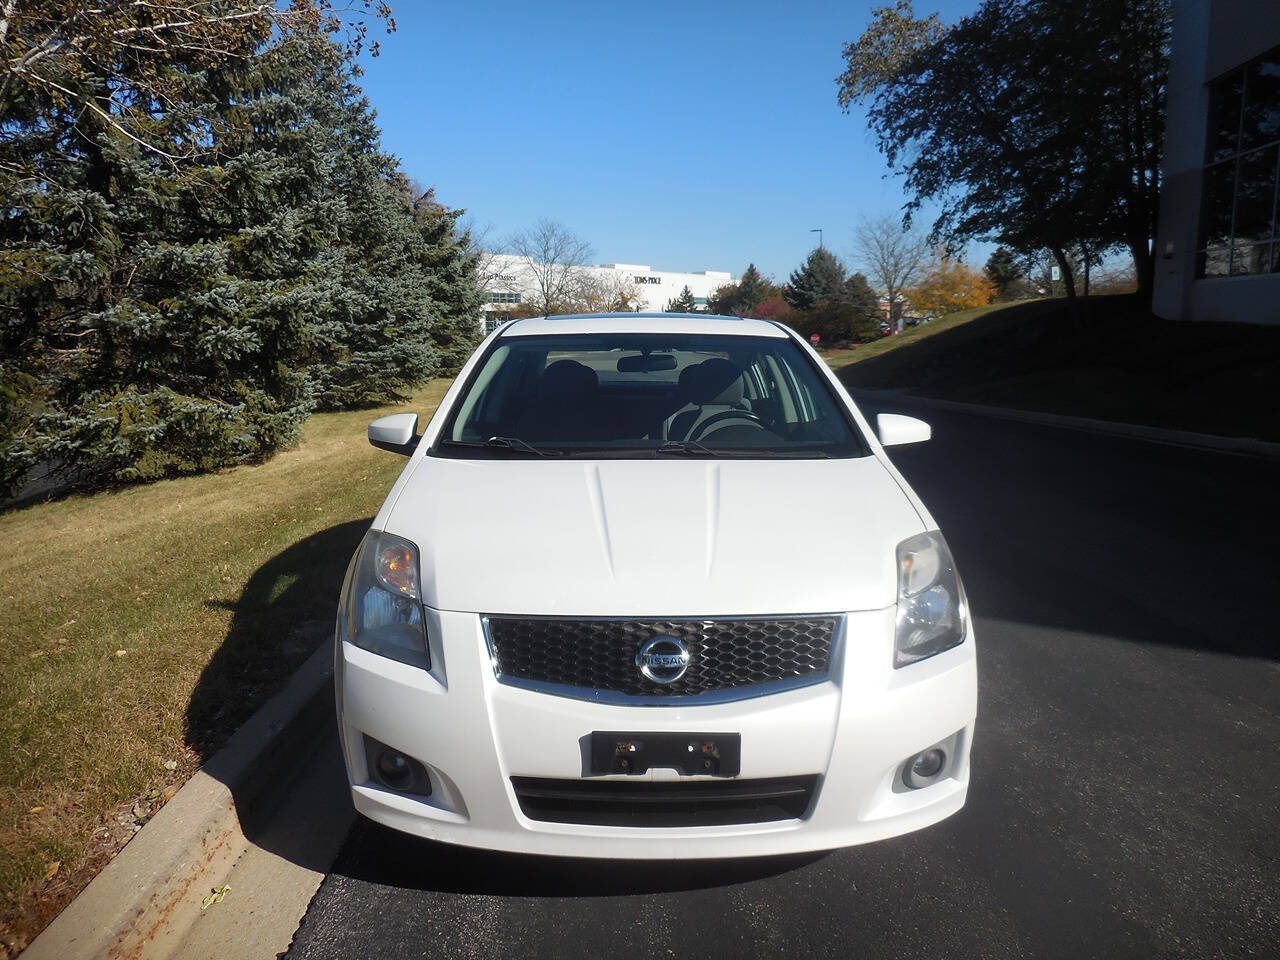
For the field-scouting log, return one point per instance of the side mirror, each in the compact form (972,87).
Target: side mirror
(895,429)
(397,433)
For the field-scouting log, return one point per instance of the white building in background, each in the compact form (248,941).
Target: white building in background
(511,282)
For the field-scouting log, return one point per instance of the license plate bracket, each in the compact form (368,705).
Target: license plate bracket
(692,754)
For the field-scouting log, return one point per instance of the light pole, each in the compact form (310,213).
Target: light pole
(818,231)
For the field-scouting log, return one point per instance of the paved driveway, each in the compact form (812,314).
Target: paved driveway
(1125,799)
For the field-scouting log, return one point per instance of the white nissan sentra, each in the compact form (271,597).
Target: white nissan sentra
(649,587)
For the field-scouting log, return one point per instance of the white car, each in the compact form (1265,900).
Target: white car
(648,587)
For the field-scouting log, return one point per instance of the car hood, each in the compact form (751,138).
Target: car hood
(655,537)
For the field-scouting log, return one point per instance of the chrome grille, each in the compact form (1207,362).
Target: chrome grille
(589,657)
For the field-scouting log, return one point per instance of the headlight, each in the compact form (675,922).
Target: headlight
(382,604)
(932,611)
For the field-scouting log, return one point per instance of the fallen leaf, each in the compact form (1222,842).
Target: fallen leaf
(215,895)
(121,653)
(36,809)
(52,871)
(171,764)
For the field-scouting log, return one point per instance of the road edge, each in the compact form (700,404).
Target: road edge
(1247,446)
(143,901)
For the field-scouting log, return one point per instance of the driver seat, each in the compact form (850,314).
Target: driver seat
(708,388)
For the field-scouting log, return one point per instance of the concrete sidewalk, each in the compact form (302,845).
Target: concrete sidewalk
(146,901)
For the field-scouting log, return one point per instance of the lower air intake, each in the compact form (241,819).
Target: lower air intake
(696,803)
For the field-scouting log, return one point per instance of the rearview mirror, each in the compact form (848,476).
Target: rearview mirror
(895,429)
(397,433)
(646,362)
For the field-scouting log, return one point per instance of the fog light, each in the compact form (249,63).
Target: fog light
(924,768)
(393,770)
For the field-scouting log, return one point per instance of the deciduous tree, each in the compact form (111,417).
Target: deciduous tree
(947,285)
(892,255)
(1032,123)
(554,257)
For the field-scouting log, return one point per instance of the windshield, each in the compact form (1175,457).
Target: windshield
(617,395)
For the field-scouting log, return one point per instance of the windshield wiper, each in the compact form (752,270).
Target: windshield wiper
(686,446)
(518,444)
(694,447)
(505,443)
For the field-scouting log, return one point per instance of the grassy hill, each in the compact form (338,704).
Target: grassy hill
(1106,358)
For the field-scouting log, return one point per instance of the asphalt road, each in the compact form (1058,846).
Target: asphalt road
(1124,798)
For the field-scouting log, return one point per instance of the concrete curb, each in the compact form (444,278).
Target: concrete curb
(144,901)
(1246,446)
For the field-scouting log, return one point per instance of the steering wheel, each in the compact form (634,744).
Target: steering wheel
(722,419)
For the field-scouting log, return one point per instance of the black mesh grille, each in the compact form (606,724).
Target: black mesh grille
(695,803)
(601,654)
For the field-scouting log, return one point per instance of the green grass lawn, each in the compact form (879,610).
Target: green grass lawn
(1107,358)
(142,626)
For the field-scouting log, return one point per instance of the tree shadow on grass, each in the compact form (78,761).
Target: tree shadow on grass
(283,614)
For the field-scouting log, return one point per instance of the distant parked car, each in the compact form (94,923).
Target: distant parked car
(600,616)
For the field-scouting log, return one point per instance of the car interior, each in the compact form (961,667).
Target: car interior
(745,396)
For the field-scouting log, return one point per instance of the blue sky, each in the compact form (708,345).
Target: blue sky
(687,136)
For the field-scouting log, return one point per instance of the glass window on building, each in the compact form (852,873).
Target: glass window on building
(1240,222)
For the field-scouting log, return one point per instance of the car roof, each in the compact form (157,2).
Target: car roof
(696,323)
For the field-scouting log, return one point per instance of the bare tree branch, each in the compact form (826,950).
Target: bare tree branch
(554,257)
(890,255)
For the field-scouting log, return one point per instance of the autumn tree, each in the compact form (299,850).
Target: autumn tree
(600,291)
(948,285)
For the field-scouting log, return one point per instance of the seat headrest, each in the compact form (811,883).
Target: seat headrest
(569,378)
(711,381)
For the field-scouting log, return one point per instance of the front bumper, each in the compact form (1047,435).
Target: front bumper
(474,734)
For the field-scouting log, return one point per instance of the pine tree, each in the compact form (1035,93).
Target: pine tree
(167,317)
(820,277)
(451,264)
(865,307)
(753,289)
(684,303)
(372,333)
(399,299)
(157,298)
(1002,270)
